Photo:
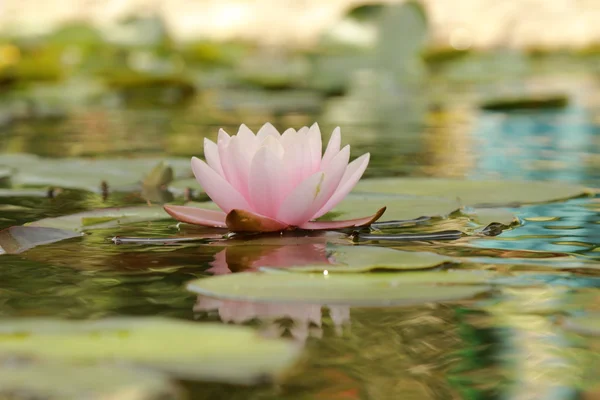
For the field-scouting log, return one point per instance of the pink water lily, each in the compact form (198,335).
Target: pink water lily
(270,182)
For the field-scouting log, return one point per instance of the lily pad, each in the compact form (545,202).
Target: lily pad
(584,324)
(88,174)
(5,174)
(180,186)
(398,207)
(473,193)
(383,289)
(527,103)
(486,216)
(185,349)
(17,239)
(368,258)
(23,193)
(103,218)
(58,381)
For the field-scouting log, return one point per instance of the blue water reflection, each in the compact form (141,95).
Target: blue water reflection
(544,145)
(539,145)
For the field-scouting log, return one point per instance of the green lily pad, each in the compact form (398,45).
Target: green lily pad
(368,258)
(527,103)
(398,207)
(88,174)
(475,192)
(58,381)
(17,239)
(23,193)
(486,216)
(185,349)
(103,218)
(588,324)
(402,34)
(383,289)
(5,174)
(161,175)
(181,185)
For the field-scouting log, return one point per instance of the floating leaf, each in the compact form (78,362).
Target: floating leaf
(381,289)
(17,239)
(185,349)
(367,258)
(486,216)
(181,185)
(411,237)
(103,218)
(398,207)
(88,174)
(58,381)
(402,34)
(23,193)
(476,192)
(588,324)
(161,175)
(527,103)
(5,174)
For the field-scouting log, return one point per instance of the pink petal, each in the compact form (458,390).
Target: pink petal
(245,133)
(267,178)
(296,208)
(353,173)
(267,130)
(316,147)
(211,153)
(217,188)
(303,130)
(197,216)
(247,221)
(223,137)
(350,223)
(289,139)
(236,164)
(294,147)
(333,176)
(333,147)
(297,155)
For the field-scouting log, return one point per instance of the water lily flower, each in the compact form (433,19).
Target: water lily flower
(270,182)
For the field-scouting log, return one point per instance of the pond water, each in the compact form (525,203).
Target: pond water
(510,342)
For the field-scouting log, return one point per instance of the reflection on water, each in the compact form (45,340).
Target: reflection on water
(538,146)
(305,319)
(251,256)
(508,345)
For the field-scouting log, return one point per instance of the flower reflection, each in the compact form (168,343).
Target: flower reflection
(250,257)
(307,319)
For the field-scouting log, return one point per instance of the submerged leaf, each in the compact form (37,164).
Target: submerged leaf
(185,349)
(383,289)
